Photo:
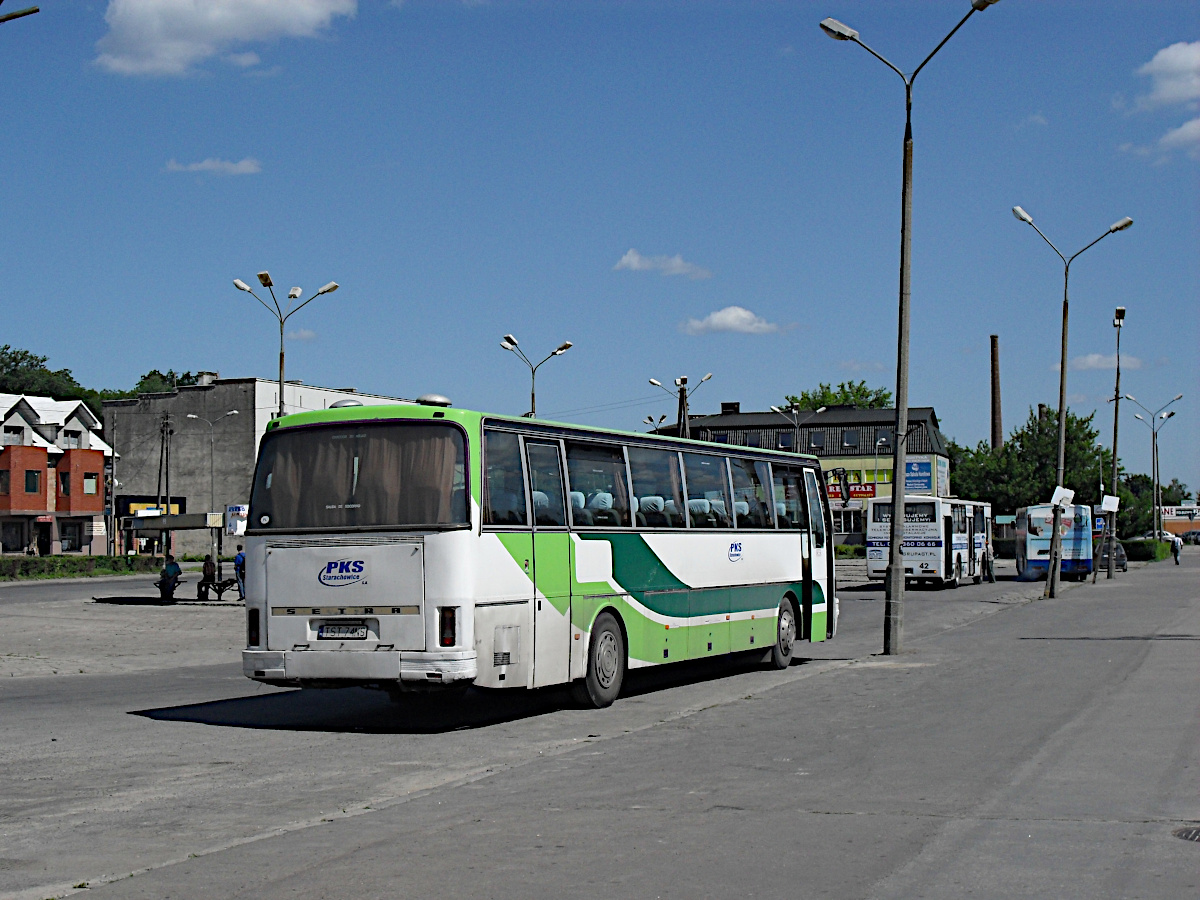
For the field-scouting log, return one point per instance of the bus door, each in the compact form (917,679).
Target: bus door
(551,565)
(947,546)
(972,559)
(819,541)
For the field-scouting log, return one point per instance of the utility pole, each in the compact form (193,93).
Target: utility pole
(1118,321)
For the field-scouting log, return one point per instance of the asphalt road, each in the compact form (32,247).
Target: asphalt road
(1020,748)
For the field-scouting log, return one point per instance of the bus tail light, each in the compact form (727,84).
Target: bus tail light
(253,632)
(446,626)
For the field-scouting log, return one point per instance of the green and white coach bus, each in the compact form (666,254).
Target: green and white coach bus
(414,547)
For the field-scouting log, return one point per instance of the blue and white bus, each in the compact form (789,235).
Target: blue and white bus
(1035,526)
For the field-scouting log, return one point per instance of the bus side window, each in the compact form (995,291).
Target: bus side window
(657,486)
(503,482)
(749,493)
(788,486)
(816,508)
(707,491)
(599,488)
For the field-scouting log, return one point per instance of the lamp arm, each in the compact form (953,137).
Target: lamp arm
(913,77)
(264,303)
(882,59)
(1066,262)
(1092,244)
(278,308)
(290,312)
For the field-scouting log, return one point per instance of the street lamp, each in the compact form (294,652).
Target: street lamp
(212,479)
(797,421)
(510,343)
(282,314)
(654,425)
(1118,321)
(893,620)
(1056,537)
(682,429)
(1156,421)
(880,441)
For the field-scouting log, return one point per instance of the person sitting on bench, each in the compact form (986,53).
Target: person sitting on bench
(207,579)
(169,579)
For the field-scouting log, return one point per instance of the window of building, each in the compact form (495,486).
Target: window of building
(3,481)
(91,482)
(599,490)
(850,439)
(751,493)
(785,440)
(503,481)
(658,487)
(721,438)
(816,440)
(752,439)
(883,439)
(13,435)
(64,483)
(72,439)
(33,481)
(71,534)
(707,491)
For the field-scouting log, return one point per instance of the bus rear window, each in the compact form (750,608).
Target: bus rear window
(913,512)
(360,475)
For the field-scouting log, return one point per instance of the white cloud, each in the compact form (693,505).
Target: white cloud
(1035,119)
(1186,137)
(731,318)
(169,37)
(243,60)
(302,334)
(247,166)
(667,265)
(1175,72)
(1094,361)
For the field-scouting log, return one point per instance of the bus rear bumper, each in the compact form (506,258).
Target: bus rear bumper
(297,666)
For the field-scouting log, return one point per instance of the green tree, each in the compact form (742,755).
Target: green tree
(1022,472)
(847,393)
(22,372)
(156,382)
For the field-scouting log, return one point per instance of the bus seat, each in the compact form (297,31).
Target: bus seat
(653,512)
(601,506)
(701,515)
(781,516)
(579,515)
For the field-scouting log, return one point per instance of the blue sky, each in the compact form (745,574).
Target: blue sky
(677,188)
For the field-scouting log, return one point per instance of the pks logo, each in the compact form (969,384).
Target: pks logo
(341,572)
(735,551)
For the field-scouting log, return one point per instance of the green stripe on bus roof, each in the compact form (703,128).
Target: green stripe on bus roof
(470,420)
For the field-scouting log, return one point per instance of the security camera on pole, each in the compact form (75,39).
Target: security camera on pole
(682,429)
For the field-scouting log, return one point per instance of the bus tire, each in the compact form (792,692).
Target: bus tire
(785,635)
(605,665)
(958,573)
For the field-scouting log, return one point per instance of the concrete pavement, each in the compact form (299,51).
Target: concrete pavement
(1020,749)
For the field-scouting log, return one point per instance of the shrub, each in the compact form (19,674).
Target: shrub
(15,568)
(1147,551)
(850,551)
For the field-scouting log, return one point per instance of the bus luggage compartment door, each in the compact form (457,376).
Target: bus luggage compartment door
(337,595)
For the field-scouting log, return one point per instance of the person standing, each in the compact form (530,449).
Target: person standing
(1176,547)
(239,571)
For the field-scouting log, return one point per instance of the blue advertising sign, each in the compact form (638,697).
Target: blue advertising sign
(918,477)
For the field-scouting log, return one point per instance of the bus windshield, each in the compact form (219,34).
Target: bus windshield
(360,475)
(921,513)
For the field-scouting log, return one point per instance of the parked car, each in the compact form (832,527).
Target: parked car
(1120,560)
(1161,535)
(1191,537)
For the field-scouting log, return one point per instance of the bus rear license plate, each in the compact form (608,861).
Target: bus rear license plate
(342,632)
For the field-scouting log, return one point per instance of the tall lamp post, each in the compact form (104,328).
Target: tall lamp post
(212,477)
(796,421)
(281,313)
(510,343)
(1118,321)
(682,429)
(893,618)
(1056,537)
(1155,422)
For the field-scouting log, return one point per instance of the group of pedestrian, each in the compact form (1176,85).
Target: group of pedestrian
(172,574)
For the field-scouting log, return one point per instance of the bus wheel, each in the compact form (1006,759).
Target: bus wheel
(605,665)
(785,635)
(958,573)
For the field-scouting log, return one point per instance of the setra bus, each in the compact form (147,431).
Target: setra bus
(946,539)
(1035,527)
(422,547)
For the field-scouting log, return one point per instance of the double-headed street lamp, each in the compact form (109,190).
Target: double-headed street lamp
(1157,420)
(796,421)
(212,478)
(1118,321)
(894,603)
(510,343)
(1056,537)
(682,429)
(264,278)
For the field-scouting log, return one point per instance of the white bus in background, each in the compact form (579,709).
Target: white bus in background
(1035,526)
(946,539)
